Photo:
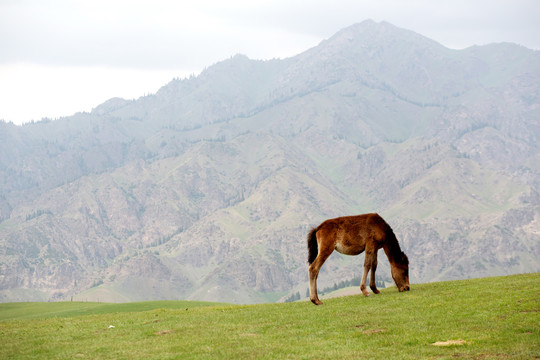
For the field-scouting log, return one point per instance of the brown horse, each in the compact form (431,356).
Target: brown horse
(351,235)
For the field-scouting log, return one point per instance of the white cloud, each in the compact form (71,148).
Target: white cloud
(39,91)
(91,46)
(157,34)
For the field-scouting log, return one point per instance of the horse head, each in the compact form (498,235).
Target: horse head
(400,273)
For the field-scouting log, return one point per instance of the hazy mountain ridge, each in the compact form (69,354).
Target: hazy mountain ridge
(206,189)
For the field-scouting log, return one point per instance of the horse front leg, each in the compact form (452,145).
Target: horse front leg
(372,283)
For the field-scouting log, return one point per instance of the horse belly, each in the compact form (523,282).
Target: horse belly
(349,249)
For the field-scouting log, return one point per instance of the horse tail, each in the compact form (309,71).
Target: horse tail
(313,248)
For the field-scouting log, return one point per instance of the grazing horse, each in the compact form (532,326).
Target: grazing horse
(351,235)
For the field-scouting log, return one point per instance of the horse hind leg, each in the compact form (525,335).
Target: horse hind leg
(314,269)
(313,274)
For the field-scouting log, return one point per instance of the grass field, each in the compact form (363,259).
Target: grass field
(492,318)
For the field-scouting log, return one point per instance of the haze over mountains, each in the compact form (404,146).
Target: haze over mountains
(206,190)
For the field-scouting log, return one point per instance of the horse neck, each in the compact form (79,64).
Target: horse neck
(392,251)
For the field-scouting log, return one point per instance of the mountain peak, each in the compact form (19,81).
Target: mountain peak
(379,34)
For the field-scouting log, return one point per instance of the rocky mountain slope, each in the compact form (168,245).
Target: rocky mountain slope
(207,189)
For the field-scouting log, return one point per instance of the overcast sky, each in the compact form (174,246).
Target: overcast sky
(58,57)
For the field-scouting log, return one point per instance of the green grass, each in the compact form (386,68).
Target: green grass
(37,310)
(498,318)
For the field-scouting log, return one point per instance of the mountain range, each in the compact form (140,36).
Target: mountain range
(206,189)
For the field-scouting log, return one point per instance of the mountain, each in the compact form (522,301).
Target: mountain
(206,190)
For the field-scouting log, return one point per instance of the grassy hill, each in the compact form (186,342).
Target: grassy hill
(36,310)
(489,318)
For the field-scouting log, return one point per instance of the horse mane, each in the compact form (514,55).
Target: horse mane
(394,251)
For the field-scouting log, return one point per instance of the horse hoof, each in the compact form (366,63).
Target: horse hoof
(316,301)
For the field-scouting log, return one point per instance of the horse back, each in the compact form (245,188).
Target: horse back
(352,234)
